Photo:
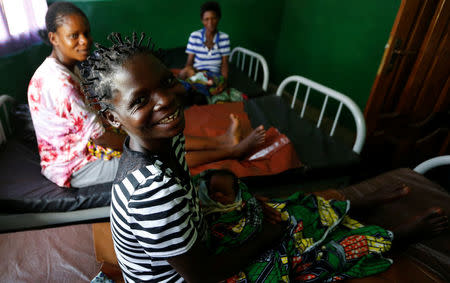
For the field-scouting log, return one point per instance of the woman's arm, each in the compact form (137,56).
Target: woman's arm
(200,265)
(224,68)
(111,139)
(188,70)
(190,60)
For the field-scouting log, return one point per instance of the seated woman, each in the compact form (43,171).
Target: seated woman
(64,126)
(208,50)
(158,227)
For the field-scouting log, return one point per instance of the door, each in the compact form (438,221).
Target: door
(407,113)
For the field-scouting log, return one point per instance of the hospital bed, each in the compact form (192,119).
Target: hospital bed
(312,130)
(29,200)
(62,248)
(248,70)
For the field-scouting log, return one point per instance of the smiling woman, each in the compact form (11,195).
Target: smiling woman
(64,125)
(155,211)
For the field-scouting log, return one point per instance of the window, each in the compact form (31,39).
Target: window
(20,22)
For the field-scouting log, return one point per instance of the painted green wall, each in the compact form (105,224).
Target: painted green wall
(336,43)
(169,22)
(16,70)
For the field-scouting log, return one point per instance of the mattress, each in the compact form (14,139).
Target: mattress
(23,188)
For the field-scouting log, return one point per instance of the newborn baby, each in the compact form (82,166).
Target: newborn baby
(219,191)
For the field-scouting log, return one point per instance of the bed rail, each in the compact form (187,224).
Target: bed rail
(5,123)
(241,54)
(328,92)
(18,222)
(429,164)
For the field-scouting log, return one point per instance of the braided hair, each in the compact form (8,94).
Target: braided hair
(54,17)
(210,6)
(98,68)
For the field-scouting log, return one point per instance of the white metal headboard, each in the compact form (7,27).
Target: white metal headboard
(5,126)
(242,53)
(429,164)
(343,99)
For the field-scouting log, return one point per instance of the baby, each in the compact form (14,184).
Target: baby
(219,191)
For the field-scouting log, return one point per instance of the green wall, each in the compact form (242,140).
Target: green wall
(169,22)
(16,70)
(336,43)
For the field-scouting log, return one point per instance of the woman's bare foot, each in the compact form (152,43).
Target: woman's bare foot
(427,225)
(250,142)
(233,135)
(380,196)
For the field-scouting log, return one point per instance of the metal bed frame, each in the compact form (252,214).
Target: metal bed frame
(241,53)
(429,164)
(328,92)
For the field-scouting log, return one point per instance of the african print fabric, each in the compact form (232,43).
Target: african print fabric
(101,152)
(323,244)
(208,83)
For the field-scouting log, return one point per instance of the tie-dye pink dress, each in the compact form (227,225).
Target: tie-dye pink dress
(63,123)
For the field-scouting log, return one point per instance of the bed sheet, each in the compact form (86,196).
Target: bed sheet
(274,156)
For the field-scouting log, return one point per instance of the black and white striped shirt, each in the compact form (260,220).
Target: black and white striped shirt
(155,215)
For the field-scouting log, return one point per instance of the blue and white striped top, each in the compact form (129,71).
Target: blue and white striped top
(155,215)
(205,59)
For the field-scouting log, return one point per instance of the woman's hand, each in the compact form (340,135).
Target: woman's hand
(273,232)
(218,90)
(271,215)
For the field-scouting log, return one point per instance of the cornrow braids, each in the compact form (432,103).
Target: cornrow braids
(98,68)
(54,17)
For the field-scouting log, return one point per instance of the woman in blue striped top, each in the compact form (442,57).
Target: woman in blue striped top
(208,49)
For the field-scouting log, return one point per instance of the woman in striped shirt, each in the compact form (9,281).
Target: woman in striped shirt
(208,49)
(156,222)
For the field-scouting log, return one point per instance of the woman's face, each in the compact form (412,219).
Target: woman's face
(210,21)
(72,40)
(147,100)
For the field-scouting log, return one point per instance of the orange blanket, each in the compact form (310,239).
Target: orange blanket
(276,155)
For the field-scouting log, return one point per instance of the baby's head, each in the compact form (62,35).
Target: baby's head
(222,186)
(134,90)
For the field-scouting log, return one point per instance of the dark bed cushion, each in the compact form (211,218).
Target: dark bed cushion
(242,82)
(316,150)
(24,189)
